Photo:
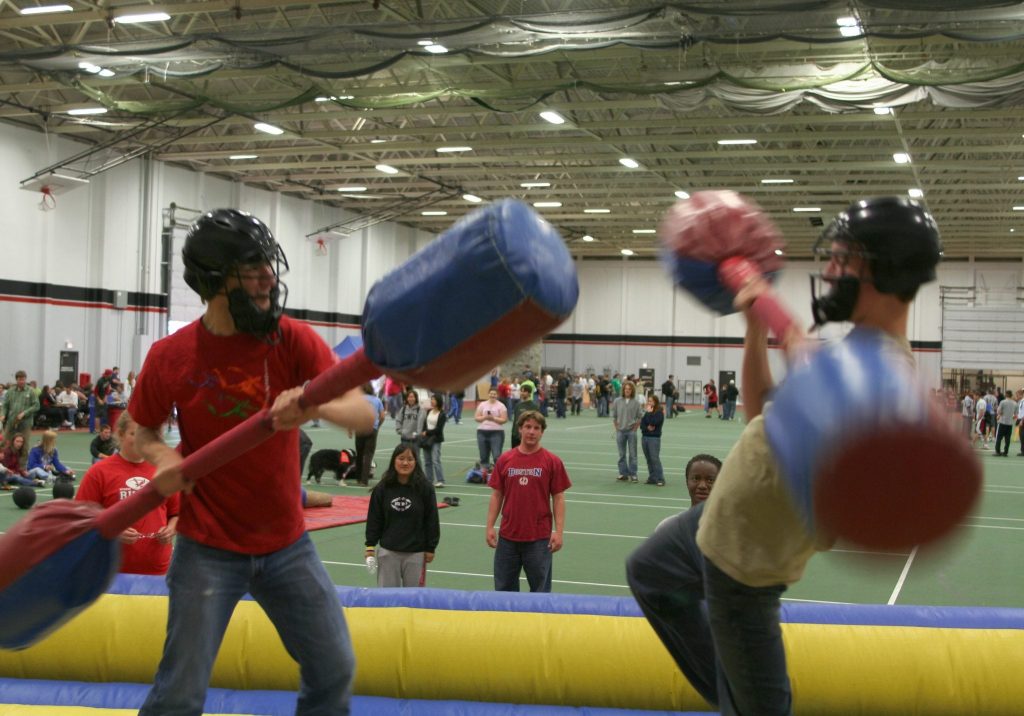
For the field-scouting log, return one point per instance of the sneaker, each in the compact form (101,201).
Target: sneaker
(622,478)
(660,484)
(439,484)
(651,482)
(633,478)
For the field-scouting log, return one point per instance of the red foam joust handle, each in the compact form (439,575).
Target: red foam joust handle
(735,273)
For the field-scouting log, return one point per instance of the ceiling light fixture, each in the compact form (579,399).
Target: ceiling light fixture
(547,204)
(137,14)
(644,231)
(243,156)
(351,188)
(89,67)
(105,73)
(45,9)
(626,252)
(442,150)
(778,252)
(378,141)
(87,110)
(588,238)
(472,198)
(434,213)
(1018,208)
(671,84)
(806,209)
(386,168)
(597,211)
(629,163)
(901,158)
(727,142)
(435,49)
(267,128)
(883,110)
(682,194)
(776,181)
(915,193)
(424,43)
(553,117)
(535,184)
(849,27)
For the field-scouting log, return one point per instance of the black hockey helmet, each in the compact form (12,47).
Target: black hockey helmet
(896,234)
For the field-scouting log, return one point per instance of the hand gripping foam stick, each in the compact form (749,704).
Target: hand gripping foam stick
(495,282)
(865,454)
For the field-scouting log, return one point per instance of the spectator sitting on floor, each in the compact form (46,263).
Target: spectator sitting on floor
(44,462)
(12,464)
(103,445)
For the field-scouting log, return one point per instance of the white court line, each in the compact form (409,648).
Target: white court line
(490,577)
(568,532)
(903,577)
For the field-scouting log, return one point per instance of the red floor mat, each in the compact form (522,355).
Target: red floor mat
(344,510)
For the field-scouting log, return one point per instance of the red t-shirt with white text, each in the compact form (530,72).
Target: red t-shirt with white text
(114,479)
(253,503)
(527,482)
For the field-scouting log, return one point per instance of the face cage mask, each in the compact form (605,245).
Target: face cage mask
(248,317)
(837,305)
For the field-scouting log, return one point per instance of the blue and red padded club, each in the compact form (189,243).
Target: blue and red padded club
(495,282)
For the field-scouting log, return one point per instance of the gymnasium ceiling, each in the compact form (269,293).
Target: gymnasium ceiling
(352,87)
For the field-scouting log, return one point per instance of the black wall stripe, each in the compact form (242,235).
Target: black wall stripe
(682,341)
(59,292)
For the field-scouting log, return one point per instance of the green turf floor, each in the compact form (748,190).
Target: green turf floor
(606,519)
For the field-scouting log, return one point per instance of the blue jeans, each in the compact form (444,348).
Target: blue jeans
(294,590)
(455,409)
(532,557)
(626,440)
(432,463)
(652,454)
(724,636)
(729,410)
(490,444)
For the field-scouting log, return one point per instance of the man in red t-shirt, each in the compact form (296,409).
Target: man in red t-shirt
(146,545)
(529,485)
(241,528)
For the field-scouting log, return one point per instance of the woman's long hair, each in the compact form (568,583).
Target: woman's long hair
(418,479)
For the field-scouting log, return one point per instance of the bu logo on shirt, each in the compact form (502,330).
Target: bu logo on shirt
(401,504)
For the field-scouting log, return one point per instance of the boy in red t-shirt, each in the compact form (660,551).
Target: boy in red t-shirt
(529,485)
(146,545)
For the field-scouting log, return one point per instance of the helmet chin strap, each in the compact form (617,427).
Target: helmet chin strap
(837,305)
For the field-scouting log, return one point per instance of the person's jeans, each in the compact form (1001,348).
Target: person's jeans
(724,636)
(729,410)
(455,409)
(1004,433)
(602,407)
(625,440)
(294,590)
(432,463)
(532,557)
(366,446)
(652,454)
(560,407)
(490,444)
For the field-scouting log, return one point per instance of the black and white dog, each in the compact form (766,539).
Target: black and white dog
(341,462)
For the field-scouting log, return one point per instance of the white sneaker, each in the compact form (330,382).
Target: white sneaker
(438,483)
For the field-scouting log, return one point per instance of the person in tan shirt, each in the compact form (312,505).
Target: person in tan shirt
(710,583)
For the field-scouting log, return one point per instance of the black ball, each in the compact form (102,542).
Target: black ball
(63,489)
(24,497)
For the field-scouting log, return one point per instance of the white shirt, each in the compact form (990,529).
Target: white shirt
(68,399)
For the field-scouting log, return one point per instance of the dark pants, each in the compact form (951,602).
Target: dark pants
(366,446)
(305,445)
(560,407)
(512,557)
(724,636)
(1004,433)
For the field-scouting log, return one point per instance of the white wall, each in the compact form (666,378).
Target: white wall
(106,237)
